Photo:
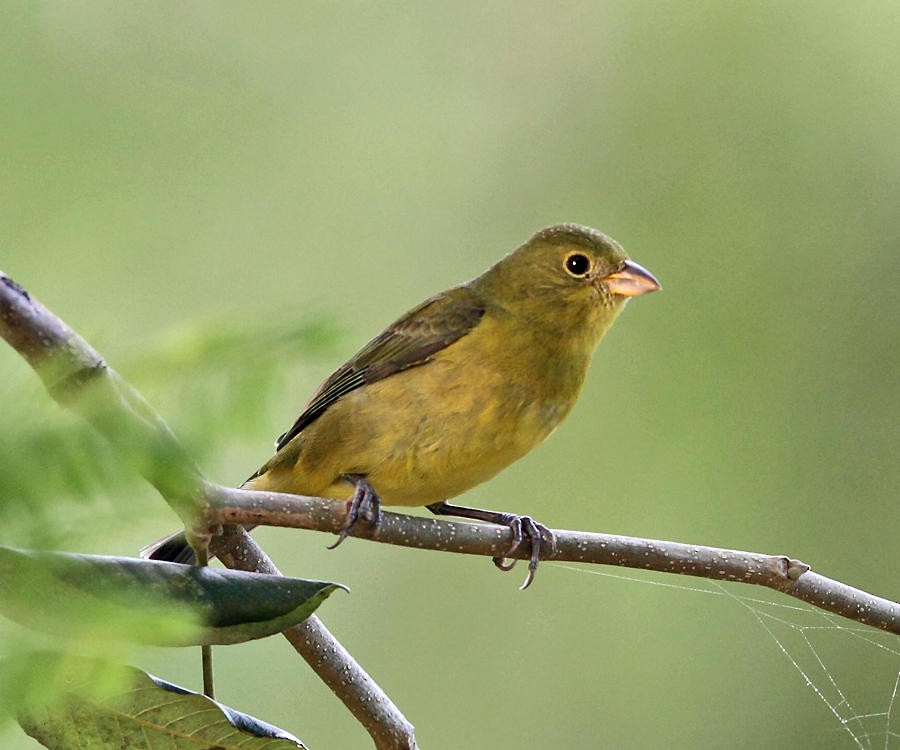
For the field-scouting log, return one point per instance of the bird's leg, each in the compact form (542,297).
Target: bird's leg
(365,503)
(521,527)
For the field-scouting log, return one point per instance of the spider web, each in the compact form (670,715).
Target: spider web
(810,639)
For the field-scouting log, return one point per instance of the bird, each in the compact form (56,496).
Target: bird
(458,388)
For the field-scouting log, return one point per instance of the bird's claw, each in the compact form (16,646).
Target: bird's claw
(523,527)
(365,503)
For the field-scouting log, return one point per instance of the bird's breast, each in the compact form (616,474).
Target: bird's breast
(459,420)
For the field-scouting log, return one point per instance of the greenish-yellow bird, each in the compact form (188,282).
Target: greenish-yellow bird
(461,386)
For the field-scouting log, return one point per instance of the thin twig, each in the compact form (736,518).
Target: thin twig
(77,377)
(206,654)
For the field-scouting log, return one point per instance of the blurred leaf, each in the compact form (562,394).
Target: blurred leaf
(214,379)
(147,601)
(220,343)
(144,712)
(52,462)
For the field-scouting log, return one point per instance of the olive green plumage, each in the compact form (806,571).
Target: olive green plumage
(462,385)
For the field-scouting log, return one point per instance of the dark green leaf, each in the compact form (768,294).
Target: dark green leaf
(147,601)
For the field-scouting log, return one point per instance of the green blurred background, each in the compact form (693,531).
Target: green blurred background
(228,199)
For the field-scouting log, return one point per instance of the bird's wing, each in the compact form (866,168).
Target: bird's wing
(412,340)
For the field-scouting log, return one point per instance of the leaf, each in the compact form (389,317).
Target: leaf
(147,601)
(141,711)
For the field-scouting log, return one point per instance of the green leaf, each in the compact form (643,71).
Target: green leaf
(137,710)
(147,601)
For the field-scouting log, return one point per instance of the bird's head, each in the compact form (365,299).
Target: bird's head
(566,276)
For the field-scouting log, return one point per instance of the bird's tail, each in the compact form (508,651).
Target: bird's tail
(173,548)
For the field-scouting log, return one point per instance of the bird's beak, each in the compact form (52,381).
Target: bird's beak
(631,280)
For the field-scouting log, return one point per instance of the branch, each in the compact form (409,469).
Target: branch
(76,376)
(791,577)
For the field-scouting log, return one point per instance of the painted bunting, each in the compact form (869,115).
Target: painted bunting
(459,387)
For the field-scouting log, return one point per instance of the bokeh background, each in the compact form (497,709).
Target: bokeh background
(228,199)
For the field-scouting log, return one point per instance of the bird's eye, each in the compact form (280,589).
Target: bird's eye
(578,265)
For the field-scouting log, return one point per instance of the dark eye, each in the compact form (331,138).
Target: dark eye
(578,264)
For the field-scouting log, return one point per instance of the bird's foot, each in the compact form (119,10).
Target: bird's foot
(525,527)
(522,527)
(365,503)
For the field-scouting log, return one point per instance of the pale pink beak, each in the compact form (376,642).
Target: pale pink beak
(631,280)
